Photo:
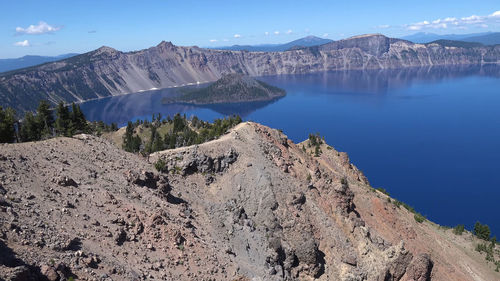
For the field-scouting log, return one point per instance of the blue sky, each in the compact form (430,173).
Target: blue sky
(57,27)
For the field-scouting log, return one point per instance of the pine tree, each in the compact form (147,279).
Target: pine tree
(45,119)
(157,143)
(78,120)
(31,129)
(317,151)
(179,123)
(7,125)
(482,231)
(63,121)
(131,143)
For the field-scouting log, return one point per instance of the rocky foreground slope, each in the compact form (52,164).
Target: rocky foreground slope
(251,205)
(106,71)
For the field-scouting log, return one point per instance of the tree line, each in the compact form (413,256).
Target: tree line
(184,132)
(42,124)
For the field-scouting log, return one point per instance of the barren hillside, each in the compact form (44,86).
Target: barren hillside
(251,205)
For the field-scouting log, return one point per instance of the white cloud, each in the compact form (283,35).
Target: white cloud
(483,25)
(41,28)
(213,40)
(237,36)
(383,26)
(473,19)
(418,25)
(276,33)
(459,23)
(266,33)
(325,34)
(24,43)
(289,31)
(225,40)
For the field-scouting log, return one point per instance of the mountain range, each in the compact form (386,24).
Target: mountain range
(485,38)
(108,72)
(308,41)
(27,61)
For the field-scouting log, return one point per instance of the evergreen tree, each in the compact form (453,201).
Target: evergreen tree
(157,144)
(179,123)
(317,151)
(131,143)
(63,122)
(195,122)
(482,231)
(7,125)
(170,141)
(459,229)
(78,120)
(31,129)
(45,119)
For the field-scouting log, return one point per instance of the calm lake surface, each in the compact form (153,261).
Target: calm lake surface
(430,137)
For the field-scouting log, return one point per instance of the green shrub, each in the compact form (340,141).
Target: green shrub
(419,218)
(382,190)
(317,151)
(408,207)
(482,231)
(397,203)
(161,166)
(459,229)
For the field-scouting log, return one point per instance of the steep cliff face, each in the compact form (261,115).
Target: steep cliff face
(251,205)
(106,72)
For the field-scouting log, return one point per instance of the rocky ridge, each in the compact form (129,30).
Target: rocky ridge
(251,205)
(107,72)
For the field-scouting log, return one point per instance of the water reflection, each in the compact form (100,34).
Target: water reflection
(242,109)
(382,81)
(142,105)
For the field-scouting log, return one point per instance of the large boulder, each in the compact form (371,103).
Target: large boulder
(419,269)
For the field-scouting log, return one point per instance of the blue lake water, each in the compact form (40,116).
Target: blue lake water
(430,137)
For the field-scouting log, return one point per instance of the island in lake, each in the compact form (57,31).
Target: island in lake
(230,88)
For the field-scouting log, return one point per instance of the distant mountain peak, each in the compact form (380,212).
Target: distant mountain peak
(312,38)
(165,44)
(105,50)
(29,60)
(485,38)
(308,41)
